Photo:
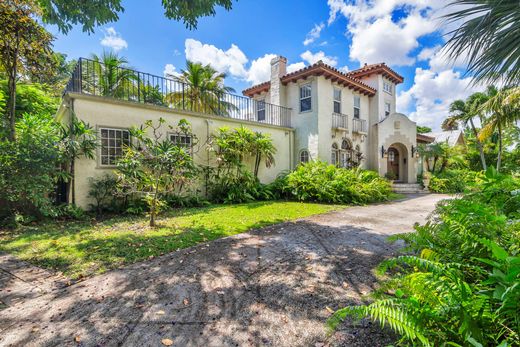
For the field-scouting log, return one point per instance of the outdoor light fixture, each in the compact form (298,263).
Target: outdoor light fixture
(415,151)
(384,152)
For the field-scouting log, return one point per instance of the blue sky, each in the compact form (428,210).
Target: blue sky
(406,34)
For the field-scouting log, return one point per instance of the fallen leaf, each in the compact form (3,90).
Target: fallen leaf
(161,312)
(186,302)
(77,338)
(167,342)
(329,309)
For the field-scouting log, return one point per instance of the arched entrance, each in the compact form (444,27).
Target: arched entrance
(397,162)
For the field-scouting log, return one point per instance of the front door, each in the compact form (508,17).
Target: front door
(393,162)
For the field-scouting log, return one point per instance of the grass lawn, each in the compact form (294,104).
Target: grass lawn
(82,248)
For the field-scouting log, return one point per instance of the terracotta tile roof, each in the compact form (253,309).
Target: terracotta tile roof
(380,68)
(317,69)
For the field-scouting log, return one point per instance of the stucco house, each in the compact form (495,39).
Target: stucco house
(452,138)
(318,112)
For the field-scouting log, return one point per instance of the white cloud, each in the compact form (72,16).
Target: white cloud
(295,67)
(260,70)
(314,34)
(113,40)
(377,37)
(344,69)
(231,61)
(170,70)
(312,58)
(432,93)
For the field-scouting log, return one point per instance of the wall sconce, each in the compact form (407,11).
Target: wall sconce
(384,152)
(415,151)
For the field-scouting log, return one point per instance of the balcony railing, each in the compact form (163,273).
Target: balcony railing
(339,121)
(359,126)
(95,78)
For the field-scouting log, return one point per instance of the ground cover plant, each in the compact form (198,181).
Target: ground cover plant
(81,248)
(458,283)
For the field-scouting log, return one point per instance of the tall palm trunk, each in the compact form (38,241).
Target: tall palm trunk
(499,156)
(479,145)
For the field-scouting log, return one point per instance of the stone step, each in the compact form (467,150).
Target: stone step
(408,188)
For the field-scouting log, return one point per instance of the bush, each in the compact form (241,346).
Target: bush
(321,182)
(452,181)
(460,285)
(103,191)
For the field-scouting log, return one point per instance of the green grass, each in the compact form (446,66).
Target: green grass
(83,248)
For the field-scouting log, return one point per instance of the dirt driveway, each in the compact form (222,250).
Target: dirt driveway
(266,287)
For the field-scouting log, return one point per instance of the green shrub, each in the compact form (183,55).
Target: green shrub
(321,182)
(460,286)
(452,181)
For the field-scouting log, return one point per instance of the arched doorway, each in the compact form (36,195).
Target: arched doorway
(397,162)
(393,164)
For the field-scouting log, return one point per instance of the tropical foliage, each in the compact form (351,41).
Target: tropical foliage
(322,182)
(203,90)
(154,166)
(109,76)
(489,37)
(459,284)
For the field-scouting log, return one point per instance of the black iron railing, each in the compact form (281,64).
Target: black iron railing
(95,78)
(339,121)
(359,125)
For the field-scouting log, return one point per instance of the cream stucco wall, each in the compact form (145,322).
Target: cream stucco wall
(104,112)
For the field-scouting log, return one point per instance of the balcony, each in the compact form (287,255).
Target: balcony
(339,121)
(359,126)
(94,78)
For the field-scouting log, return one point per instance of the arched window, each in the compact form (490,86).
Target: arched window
(304,156)
(334,154)
(346,154)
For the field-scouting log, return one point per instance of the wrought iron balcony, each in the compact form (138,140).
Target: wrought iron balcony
(359,126)
(95,78)
(339,121)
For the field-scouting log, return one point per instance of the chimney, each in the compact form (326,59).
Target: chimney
(278,69)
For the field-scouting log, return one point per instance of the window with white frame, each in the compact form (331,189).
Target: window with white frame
(357,106)
(304,156)
(260,110)
(182,140)
(387,109)
(113,142)
(305,97)
(387,87)
(337,100)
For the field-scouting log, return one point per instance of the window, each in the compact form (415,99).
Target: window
(304,156)
(260,110)
(387,109)
(346,154)
(387,87)
(182,140)
(305,98)
(357,106)
(337,100)
(334,154)
(112,144)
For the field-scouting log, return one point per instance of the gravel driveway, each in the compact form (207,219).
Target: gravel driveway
(267,287)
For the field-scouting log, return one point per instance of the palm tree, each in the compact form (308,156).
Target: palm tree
(202,89)
(110,75)
(489,36)
(503,109)
(263,148)
(465,111)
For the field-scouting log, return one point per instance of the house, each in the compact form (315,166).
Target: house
(452,138)
(318,112)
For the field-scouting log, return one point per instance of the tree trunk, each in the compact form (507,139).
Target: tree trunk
(258,158)
(434,163)
(499,157)
(479,145)
(11,102)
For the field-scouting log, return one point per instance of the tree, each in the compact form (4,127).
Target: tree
(25,48)
(110,75)
(92,13)
(203,90)
(59,76)
(262,147)
(465,111)
(154,166)
(490,38)
(423,129)
(504,110)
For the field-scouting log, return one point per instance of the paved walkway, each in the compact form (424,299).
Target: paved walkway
(268,287)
